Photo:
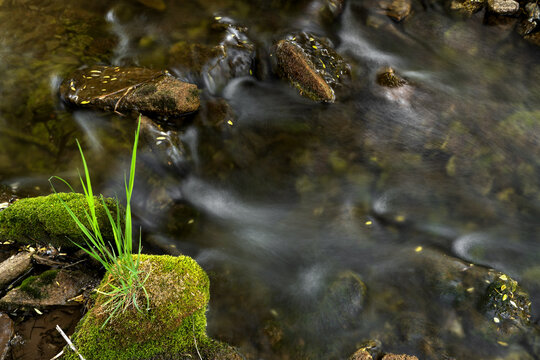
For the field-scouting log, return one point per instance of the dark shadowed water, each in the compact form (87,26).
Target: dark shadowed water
(321,225)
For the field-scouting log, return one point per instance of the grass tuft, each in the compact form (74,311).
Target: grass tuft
(126,286)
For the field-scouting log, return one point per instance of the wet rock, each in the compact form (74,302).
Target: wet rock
(396,9)
(399,357)
(14,267)
(191,56)
(51,288)
(506,303)
(331,10)
(7,331)
(124,89)
(467,7)
(235,55)
(388,77)
(311,65)
(533,38)
(530,23)
(45,219)
(503,7)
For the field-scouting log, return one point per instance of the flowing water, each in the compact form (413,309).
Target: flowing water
(321,225)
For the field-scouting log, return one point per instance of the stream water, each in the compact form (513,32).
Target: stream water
(321,225)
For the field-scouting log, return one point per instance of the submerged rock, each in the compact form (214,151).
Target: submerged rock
(14,267)
(331,10)
(7,330)
(311,65)
(44,219)
(125,89)
(173,327)
(503,7)
(51,288)
(506,303)
(361,355)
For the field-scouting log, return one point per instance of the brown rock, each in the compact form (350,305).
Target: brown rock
(14,267)
(503,7)
(52,288)
(311,65)
(399,357)
(125,89)
(361,355)
(7,331)
(301,70)
(396,9)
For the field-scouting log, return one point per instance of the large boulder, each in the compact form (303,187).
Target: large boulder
(174,326)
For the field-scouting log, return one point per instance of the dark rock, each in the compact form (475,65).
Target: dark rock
(191,56)
(51,288)
(387,77)
(311,65)
(503,7)
(467,7)
(125,89)
(506,303)
(533,38)
(14,267)
(331,10)
(7,331)
(396,9)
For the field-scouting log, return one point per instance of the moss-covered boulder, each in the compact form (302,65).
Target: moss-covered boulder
(126,89)
(173,328)
(44,219)
(311,64)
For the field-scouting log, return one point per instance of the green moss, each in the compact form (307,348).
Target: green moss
(178,289)
(164,103)
(29,286)
(44,219)
(34,284)
(146,90)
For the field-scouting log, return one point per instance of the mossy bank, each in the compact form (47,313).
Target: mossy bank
(44,219)
(173,328)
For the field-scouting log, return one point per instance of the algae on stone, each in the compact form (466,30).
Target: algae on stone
(173,328)
(44,219)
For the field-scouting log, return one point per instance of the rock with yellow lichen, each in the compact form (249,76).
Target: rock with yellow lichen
(311,65)
(174,326)
(125,89)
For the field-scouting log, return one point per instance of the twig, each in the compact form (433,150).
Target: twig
(195,339)
(69,341)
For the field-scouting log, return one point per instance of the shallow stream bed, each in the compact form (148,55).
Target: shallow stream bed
(321,225)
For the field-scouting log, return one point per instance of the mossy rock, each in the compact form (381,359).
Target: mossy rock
(173,328)
(44,219)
